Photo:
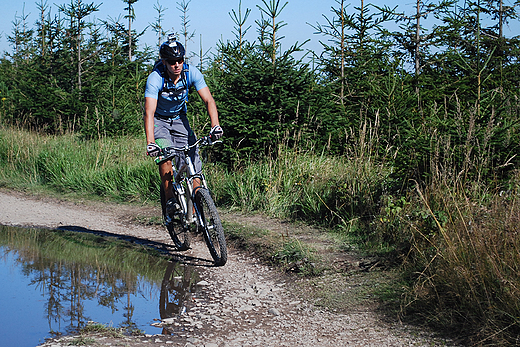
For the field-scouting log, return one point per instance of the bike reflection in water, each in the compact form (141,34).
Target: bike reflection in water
(178,285)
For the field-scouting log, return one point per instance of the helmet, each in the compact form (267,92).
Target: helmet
(172,49)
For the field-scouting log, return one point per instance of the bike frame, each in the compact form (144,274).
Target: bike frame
(186,173)
(197,209)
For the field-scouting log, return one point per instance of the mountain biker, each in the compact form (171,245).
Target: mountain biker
(165,120)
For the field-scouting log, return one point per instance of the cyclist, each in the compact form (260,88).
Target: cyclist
(165,120)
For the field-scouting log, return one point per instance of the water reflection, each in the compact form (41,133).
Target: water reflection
(79,277)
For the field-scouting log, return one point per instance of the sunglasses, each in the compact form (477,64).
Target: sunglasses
(174,61)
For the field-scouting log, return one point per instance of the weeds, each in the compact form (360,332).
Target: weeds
(291,254)
(297,257)
(108,168)
(85,338)
(326,190)
(82,341)
(102,329)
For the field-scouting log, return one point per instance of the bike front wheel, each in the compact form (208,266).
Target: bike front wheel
(211,226)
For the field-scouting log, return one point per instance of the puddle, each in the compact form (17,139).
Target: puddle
(54,282)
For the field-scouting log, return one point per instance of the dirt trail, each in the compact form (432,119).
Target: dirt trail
(244,303)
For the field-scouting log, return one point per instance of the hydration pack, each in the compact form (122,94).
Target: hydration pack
(185,77)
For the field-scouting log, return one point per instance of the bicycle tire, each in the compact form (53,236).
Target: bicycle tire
(211,226)
(177,228)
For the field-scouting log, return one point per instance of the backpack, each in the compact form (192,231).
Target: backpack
(161,69)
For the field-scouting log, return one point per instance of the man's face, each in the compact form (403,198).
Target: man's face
(174,66)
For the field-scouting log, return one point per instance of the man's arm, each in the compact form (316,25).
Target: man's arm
(150,104)
(211,106)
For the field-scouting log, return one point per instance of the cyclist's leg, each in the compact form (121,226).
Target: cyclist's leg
(182,135)
(166,173)
(163,139)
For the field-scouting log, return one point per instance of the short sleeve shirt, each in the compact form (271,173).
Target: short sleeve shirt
(171,97)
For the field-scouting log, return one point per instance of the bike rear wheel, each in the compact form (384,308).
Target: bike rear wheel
(211,226)
(177,228)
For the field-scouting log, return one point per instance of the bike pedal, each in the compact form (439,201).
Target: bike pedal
(172,207)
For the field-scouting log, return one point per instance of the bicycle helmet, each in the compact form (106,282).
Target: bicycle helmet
(172,49)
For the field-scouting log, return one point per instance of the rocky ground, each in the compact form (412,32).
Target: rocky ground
(244,303)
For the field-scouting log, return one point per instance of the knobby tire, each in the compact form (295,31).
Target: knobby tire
(211,226)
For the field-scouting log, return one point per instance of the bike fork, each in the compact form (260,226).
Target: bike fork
(190,215)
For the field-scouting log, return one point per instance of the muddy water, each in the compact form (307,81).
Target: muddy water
(54,282)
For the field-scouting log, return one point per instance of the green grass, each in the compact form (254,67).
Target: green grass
(103,329)
(82,341)
(115,169)
(457,244)
(288,253)
(326,190)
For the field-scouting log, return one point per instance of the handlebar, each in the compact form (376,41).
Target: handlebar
(203,141)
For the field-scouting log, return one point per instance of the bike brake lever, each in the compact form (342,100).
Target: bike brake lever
(211,143)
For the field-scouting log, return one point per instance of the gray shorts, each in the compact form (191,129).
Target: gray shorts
(176,132)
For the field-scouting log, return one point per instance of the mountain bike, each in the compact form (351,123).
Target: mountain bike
(194,210)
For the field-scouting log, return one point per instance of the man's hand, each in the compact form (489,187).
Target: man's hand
(216,133)
(153,150)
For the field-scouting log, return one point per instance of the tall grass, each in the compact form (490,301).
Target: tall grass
(304,185)
(114,168)
(342,191)
(464,261)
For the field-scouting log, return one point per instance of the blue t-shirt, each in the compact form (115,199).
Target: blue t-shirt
(171,98)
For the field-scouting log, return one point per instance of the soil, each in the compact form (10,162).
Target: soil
(246,302)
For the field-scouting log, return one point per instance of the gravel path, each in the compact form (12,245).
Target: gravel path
(244,303)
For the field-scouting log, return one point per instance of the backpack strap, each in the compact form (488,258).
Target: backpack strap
(186,70)
(161,69)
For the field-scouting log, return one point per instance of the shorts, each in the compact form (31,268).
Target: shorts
(176,132)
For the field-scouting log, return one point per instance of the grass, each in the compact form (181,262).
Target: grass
(108,168)
(288,253)
(464,262)
(302,185)
(103,329)
(82,341)
(85,334)
(456,243)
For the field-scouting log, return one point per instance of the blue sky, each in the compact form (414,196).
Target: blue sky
(209,18)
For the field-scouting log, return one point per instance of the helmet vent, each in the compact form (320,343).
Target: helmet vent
(172,40)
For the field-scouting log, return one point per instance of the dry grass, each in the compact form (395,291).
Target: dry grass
(465,255)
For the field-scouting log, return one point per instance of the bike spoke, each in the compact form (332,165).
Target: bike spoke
(211,226)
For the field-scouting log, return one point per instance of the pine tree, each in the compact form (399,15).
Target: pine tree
(183,6)
(157,26)
(131,17)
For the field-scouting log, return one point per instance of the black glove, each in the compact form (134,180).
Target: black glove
(216,133)
(153,150)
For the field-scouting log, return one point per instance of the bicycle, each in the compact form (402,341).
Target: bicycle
(195,210)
